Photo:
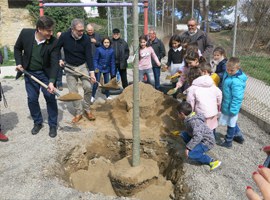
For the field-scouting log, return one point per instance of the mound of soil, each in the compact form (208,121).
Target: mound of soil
(113,141)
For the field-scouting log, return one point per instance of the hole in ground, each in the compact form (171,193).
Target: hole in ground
(87,168)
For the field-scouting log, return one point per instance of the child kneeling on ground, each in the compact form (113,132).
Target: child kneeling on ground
(198,137)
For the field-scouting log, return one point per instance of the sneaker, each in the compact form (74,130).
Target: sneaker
(36,129)
(214,164)
(92,99)
(239,139)
(109,98)
(226,144)
(3,138)
(53,132)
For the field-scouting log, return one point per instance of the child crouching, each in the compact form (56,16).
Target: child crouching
(198,137)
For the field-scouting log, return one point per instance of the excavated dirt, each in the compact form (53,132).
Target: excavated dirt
(87,167)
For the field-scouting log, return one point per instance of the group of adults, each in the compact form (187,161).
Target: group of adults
(38,52)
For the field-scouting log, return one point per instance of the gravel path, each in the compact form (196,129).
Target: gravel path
(28,163)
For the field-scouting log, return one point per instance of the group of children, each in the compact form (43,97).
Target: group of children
(214,94)
(214,91)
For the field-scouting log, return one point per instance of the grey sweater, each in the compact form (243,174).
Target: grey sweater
(199,132)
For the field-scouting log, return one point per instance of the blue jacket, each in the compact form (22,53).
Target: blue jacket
(233,89)
(104,60)
(220,70)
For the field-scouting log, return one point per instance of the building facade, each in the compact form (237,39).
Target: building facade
(13,18)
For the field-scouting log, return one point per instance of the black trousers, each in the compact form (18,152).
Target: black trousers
(123,74)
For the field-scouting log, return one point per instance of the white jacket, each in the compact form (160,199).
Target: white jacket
(204,96)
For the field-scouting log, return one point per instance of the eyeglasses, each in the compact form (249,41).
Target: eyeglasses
(191,25)
(79,31)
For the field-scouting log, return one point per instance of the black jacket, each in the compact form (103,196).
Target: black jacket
(49,52)
(121,49)
(77,52)
(159,49)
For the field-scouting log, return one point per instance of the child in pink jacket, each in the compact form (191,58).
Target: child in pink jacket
(204,96)
(145,64)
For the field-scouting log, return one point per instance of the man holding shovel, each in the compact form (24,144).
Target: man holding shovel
(36,51)
(78,57)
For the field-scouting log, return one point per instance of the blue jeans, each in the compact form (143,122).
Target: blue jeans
(156,71)
(148,73)
(59,82)
(233,132)
(198,152)
(33,90)
(106,80)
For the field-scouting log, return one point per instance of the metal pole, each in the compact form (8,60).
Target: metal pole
(155,14)
(136,96)
(235,28)
(89,4)
(162,19)
(125,22)
(41,8)
(192,9)
(108,18)
(172,17)
(206,15)
(145,13)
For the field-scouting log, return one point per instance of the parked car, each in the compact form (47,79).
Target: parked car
(224,23)
(214,27)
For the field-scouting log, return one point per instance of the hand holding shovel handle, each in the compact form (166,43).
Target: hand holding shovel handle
(38,81)
(67,97)
(71,70)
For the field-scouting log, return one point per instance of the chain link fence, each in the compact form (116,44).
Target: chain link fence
(252,42)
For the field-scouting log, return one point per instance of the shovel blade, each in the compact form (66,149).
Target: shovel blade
(70,97)
(172,91)
(111,85)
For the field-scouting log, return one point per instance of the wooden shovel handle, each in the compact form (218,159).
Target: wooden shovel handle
(70,69)
(39,82)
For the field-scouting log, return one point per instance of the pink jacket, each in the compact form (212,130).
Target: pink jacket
(145,58)
(204,96)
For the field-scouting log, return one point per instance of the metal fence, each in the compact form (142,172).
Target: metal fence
(252,44)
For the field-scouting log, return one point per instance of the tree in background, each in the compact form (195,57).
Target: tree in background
(257,13)
(62,17)
(102,10)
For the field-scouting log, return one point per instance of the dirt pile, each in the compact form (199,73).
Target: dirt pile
(113,140)
(157,114)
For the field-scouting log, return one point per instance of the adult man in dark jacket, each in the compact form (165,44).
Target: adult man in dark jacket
(121,52)
(195,35)
(35,51)
(78,55)
(159,49)
(95,38)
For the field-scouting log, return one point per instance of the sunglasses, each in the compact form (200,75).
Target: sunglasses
(191,25)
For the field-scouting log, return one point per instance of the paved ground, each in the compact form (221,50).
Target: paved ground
(28,163)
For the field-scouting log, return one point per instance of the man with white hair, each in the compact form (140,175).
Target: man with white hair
(78,55)
(95,38)
(199,37)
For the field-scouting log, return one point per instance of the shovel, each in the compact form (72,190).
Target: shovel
(74,71)
(176,75)
(172,91)
(67,97)
(111,85)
